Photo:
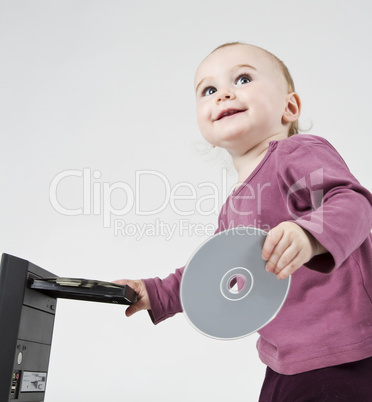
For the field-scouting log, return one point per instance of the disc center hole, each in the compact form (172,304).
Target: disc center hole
(236,284)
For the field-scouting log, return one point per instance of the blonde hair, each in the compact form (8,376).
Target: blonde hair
(294,127)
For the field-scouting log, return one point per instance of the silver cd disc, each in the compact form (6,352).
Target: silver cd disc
(226,293)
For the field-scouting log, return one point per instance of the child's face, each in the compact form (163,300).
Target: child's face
(241,98)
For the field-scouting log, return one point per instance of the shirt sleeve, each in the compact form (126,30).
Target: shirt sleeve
(325,199)
(164,294)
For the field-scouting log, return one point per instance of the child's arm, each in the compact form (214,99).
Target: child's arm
(324,199)
(287,247)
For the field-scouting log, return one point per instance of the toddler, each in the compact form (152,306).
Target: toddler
(319,346)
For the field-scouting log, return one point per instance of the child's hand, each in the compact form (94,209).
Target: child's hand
(143,301)
(287,247)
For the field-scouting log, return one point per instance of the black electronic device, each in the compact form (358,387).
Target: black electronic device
(84,289)
(28,299)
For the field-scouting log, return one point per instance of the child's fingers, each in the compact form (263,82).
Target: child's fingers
(277,249)
(135,285)
(276,257)
(285,249)
(134,308)
(285,257)
(272,239)
(139,287)
(132,284)
(291,267)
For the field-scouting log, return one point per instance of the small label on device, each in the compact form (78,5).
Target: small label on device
(33,381)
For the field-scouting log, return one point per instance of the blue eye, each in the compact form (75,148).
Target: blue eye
(243,79)
(209,91)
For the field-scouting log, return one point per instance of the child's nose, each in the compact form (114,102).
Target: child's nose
(225,95)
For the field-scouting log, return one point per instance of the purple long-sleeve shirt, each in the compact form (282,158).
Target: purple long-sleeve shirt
(327,317)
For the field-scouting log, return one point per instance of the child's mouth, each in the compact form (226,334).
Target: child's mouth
(228,112)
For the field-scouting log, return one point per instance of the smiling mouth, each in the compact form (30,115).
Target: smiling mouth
(228,112)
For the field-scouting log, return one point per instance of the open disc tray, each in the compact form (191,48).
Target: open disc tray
(84,289)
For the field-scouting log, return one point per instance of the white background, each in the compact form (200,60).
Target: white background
(108,86)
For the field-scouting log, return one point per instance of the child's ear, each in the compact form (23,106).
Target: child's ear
(293,108)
